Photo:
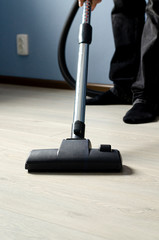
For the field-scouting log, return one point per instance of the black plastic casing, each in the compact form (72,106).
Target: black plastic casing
(74,155)
(85,33)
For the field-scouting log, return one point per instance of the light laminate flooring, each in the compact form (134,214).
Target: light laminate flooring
(74,206)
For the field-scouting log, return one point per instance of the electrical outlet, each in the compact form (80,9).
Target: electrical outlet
(22,44)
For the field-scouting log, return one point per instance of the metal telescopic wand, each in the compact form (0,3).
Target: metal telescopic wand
(85,37)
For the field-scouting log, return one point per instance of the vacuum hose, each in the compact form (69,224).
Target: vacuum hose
(61,52)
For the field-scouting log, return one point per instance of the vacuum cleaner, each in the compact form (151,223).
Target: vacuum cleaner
(75,153)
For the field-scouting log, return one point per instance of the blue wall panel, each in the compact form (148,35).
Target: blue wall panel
(43,22)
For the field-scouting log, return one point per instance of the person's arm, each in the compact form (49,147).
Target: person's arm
(94,3)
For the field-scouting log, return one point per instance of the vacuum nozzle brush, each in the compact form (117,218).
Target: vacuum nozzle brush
(75,155)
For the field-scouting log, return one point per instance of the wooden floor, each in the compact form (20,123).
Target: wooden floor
(74,206)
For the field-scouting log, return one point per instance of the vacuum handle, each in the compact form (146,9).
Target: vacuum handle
(85,37)
(86,11)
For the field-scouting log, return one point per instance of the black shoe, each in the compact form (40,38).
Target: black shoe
(108,98)
(141,112)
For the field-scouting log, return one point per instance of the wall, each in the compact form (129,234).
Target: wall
(43,22)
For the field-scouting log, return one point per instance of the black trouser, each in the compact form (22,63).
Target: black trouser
(135,62)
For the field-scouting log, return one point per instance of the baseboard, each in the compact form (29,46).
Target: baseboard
(49,83)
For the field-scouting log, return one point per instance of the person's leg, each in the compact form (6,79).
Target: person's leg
(128,18)
(146,87)
(127,22)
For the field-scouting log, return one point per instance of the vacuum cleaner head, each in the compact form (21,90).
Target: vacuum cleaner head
(75,155)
